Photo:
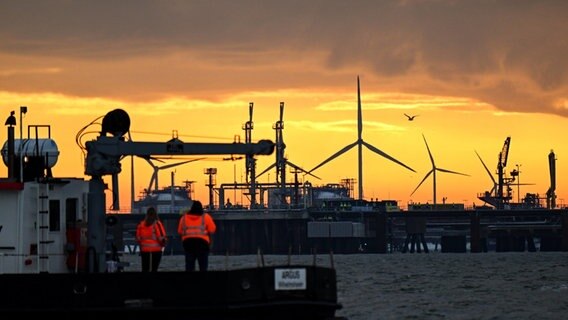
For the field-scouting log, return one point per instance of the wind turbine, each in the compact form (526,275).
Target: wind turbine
(154,178)
(360,143)
(433,172)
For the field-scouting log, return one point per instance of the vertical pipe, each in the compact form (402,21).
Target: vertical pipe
(115,193)
(96,224)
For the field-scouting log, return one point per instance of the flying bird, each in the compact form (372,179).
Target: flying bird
(410,118)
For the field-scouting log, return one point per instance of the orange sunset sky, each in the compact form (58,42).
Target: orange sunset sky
(475,72)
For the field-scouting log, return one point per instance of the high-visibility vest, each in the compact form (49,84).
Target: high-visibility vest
(193,226)
(151,238)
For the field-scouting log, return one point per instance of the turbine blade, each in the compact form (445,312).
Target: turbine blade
(266,170)
(337,154)
(429,153)
(149,158)
(450,171)
(152,180)
(379,152)
(300,169)
(179,163)
(424,179)
(359,113)
(154,176)
(150,162)
(487,169)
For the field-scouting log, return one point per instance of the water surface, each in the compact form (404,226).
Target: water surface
(493,285)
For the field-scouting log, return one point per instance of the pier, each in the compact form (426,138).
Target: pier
(302,231)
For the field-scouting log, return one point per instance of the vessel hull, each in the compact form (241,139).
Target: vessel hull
(227,294)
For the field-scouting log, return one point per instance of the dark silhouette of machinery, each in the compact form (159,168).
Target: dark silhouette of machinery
(501,194)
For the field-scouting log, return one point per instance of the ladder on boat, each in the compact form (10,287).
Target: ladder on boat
(43,227)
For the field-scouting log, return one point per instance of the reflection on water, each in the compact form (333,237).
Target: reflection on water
(515,285)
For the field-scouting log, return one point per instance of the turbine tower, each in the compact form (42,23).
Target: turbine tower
(360,143)
(433,172)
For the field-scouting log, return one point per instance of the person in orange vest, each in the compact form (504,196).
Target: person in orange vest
(151,237)
(195,228)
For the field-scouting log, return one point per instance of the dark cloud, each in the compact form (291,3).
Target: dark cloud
(511,53)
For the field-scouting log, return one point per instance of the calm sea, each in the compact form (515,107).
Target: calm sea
(498,285)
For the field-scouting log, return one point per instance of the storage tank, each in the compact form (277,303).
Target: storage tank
(46,149)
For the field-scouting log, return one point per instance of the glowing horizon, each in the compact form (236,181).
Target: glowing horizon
(383,179)
(474,72)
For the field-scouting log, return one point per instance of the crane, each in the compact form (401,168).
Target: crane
(501,165)
(495,197)
(550,193)
(105,153)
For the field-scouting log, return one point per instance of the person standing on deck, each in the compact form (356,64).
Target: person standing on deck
(195,228)
(151,237)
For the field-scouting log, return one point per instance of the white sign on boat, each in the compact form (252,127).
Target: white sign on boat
(290,279)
